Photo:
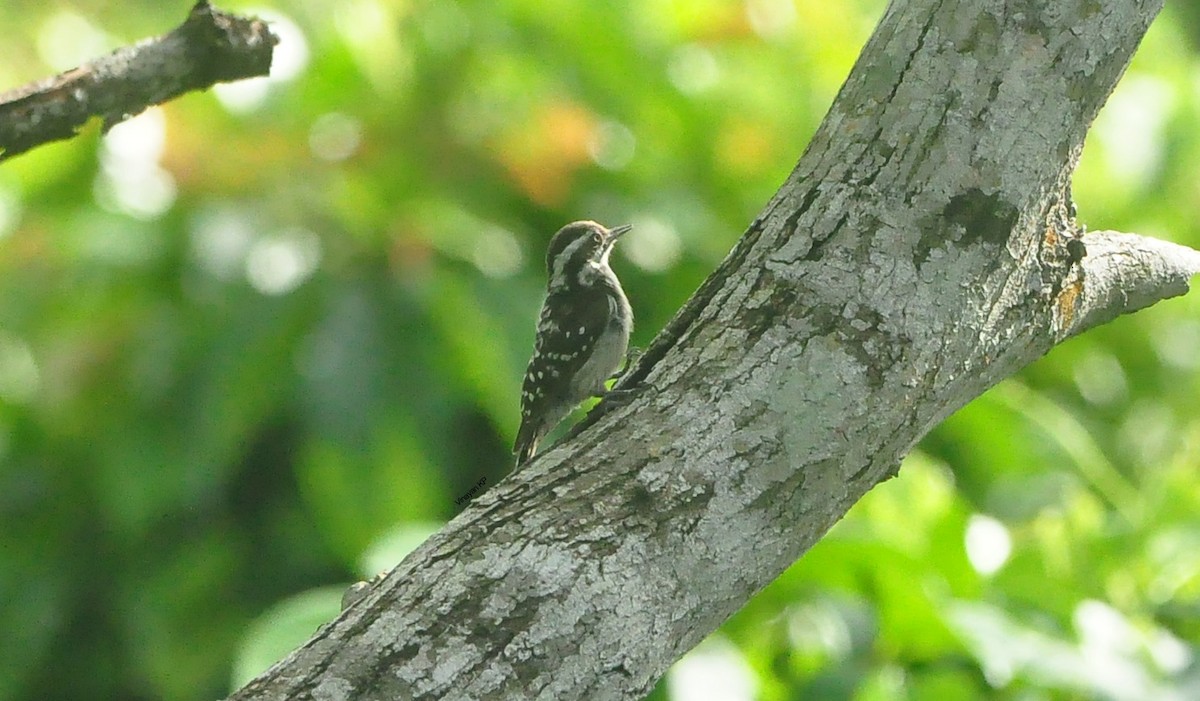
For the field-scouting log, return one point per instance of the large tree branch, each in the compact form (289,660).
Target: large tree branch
(209,47)
(1126,273)
(924,248)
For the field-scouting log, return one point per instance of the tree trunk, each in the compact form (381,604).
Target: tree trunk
(924,248)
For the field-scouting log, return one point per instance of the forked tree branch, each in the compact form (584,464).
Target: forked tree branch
(924,248)
(209,47)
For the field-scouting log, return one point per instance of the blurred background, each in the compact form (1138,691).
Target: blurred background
(254,343)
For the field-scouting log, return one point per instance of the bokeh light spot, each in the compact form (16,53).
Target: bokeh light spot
(497,253)
(220,239)
(1100,378)
(1130,128)
(715,669)
(653,245)
(771,18)
(19,373)
(67,39)
(612,145)
(988,544)
(335,136)
(280,263)
(1177,343)
(693,69)
(10,211)
(131,181)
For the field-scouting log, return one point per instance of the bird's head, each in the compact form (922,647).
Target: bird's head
(578,245)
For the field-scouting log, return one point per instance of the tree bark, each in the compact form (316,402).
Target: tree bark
(209,47)
(924,248)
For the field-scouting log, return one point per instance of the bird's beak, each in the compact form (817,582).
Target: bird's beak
(616,232)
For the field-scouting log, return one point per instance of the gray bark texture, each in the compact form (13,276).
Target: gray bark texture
(924,248)
(209,47)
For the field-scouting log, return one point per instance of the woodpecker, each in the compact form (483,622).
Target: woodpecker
(582,332)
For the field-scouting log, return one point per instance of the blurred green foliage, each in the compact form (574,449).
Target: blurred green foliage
(251,342)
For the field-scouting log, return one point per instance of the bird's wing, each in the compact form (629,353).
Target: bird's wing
(567,331)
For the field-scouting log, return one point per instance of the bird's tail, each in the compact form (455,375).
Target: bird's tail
(526,444)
